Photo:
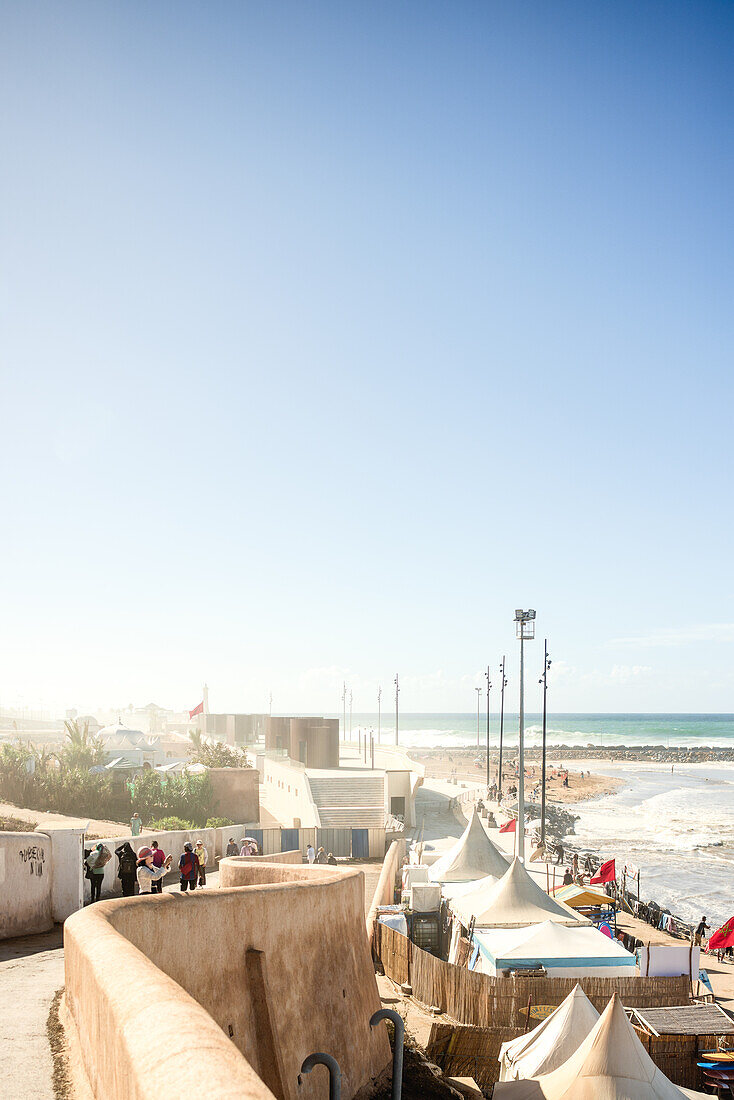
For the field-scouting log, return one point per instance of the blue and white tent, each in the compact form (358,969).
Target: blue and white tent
(563,950)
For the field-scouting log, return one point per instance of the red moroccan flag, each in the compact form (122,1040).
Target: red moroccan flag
(607,873)
(197,710)
(509,826)
(724,937)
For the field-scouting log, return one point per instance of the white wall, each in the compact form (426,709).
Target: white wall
(286,793)
(25,884)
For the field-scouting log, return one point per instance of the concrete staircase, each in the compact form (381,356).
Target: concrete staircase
(349,801)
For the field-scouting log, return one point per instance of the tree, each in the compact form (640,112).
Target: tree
(82,750)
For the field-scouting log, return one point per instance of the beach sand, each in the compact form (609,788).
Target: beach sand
(459,764)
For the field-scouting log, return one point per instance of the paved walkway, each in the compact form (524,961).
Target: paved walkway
(31,971)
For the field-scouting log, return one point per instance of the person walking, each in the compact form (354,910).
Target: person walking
(320,856)
(146,871)
(188,868)
(701,931)
(310,853)
(559,853)
(126,868)
(202,855)
(232,849)
(136,824)
(159,858)
(95,862)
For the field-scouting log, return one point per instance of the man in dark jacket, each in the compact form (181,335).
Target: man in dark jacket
(188,867)
(126,866)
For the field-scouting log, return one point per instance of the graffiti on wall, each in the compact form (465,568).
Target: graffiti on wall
(34,857)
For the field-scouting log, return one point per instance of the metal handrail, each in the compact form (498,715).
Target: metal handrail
(397,1054)
(335,1074)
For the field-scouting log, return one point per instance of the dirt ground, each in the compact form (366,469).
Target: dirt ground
(38,817)
(459,764)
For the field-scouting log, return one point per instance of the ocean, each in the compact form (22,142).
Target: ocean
(677,827)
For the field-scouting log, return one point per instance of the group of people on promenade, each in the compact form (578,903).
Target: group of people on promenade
(247,847)
(146,867)
(313,856)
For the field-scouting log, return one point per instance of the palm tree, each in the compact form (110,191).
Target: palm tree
(197,743)
(82,749)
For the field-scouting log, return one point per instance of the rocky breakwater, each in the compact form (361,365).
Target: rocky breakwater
(701,754)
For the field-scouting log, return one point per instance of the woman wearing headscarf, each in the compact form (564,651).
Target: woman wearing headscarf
(95,862)
(147,872)
(126,868)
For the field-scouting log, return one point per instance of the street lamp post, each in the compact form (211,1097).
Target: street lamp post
(525,631)
(397,693)
(351,696)
(489,689)
(379,707)
(502,730)
(544,681)
(479,696)
(344,710)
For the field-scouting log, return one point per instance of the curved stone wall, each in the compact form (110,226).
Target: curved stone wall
(225,992)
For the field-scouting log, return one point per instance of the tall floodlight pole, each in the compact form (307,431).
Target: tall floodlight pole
(489,689)
(479,703)
(525,631)
(351,696)
(544,681)
(344,711)
(502,730)
(270,705)
(379,709)
(397,693)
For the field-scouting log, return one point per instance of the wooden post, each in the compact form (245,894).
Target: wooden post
(527,1020)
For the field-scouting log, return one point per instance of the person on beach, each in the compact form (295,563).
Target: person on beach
(575,865)
(188,868)
(159,858)
(567,877)
(135,824)
(202,856)
(95,870)
(701,931)
(147,873)
(126,868)
(232,849)
(559,853)
(310,853)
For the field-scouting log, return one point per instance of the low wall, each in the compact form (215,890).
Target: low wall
(228,878)
(385,890)
(226,992)
(25,884)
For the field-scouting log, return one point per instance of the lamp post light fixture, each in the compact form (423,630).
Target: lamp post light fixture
(479,696)
(544,681)
(489,689)
(502,729)
(351,696)
(525,631)
(397,693)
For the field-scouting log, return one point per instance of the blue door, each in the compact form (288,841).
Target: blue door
(289,840)
(360,844)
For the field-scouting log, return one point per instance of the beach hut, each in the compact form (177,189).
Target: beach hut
(516,900)
(474,856)
(610,1064)
(559,949)
(550,1044)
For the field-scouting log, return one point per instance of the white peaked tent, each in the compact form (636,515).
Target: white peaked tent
(565,951)
(550,1044)
(473,856)
(610,1064)
(514,901)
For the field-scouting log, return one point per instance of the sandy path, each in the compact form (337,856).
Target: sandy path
(38,817)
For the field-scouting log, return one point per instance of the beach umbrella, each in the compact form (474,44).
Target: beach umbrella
(723,937)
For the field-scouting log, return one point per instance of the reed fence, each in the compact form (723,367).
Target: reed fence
(486,1002)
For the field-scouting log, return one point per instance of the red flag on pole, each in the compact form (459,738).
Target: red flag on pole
(607,873)
(724,937)
(197,710)
(509,826)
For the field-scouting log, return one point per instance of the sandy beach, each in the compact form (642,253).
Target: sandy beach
(459,764)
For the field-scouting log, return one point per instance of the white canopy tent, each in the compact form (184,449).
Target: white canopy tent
(610,1064)
(474,856)
(516,900)
(550,1044)
(564,951)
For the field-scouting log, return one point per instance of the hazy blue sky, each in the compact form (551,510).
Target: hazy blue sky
(332,332)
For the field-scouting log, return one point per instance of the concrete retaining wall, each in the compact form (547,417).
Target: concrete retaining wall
(385,890)
(257,977)
(25,884)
